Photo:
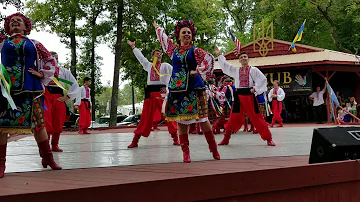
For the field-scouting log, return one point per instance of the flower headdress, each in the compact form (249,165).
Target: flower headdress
(26,21)
(184,23)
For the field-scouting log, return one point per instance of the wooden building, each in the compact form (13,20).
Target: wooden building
(301,72)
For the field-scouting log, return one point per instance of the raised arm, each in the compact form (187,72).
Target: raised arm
(225,66)
(166,43)
(140,57)
(325,85)
(205,63)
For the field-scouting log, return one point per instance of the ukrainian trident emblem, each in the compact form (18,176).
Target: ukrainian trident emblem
(263,41)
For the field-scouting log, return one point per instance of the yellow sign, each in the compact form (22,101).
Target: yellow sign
(263,42)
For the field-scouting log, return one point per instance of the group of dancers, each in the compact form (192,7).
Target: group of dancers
(183,92)
(32,96)
(187,95)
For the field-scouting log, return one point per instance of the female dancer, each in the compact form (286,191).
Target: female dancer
(26,67)
(187,102)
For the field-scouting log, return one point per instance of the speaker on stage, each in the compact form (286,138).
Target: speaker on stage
(335,144)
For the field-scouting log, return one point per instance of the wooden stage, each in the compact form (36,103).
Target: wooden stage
(277,178)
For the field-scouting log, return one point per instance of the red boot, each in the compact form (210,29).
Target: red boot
(246,125)
(2,159)
(155,127)
(184,142)
(226,139)
(270,143)
(86,131)
(192,129)
(251,128)
(280,124)
(47,156)
(81,131)
(215,127)
(272,123)
(212,144)
(135,141)
(175,139)
(55,143)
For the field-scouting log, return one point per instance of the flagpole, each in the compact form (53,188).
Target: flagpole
(296,34)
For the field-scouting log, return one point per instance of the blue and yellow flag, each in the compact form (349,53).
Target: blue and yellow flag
(298,37)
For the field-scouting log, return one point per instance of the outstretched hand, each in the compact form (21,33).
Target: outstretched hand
(155,24)
(217,51)
(132,44)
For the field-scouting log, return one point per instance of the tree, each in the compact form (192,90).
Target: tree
(125,95)
(119,5)
(206,14)
(92,31)
(343,26)
(58,16)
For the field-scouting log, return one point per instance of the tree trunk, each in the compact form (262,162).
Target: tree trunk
(73,45)
(115,90)
(92,62)
(133,96)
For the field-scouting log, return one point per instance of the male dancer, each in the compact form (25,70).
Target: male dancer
(249,81)
(55,112)
(157,81)
(276,96)
(84,104)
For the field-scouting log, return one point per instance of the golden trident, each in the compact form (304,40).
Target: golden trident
(262,42)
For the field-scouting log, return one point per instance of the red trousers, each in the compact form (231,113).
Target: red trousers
(236,120)
(85,115)
(276,109)
(55,114)
(151,113)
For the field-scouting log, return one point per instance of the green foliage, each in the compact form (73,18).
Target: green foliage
(138,27)
(55,16)
(331,24)
(18,4)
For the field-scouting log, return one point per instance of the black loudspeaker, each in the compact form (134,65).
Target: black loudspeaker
(335,144)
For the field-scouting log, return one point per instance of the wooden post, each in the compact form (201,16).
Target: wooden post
(328,102)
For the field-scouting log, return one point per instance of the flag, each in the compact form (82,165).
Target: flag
(236,41)
(298,37)
(333,100)
(332,95)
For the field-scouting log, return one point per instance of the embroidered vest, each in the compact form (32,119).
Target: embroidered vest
(154,76)
(244,77)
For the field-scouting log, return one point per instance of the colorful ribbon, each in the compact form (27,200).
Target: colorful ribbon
(56,81)
(5,86)
(156,70)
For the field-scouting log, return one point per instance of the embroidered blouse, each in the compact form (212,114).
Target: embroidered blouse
(204,60)
(153,77)
(256,78)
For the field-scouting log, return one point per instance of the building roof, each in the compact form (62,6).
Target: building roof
(281,56)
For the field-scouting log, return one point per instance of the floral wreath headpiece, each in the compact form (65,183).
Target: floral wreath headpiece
(184,23)
(26,21)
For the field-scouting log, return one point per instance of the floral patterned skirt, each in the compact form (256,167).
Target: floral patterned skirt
(189,105)
(262,109)
(28,116)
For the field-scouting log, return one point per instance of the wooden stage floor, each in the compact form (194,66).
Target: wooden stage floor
(101,168)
